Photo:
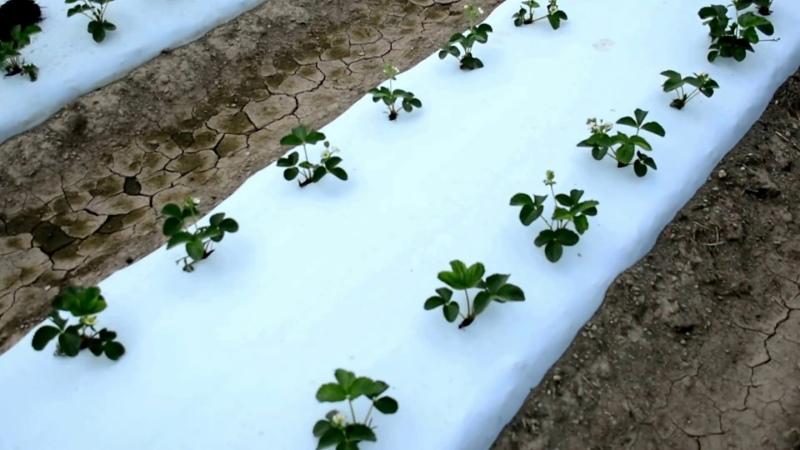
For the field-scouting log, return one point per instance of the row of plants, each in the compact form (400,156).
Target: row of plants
(566,220)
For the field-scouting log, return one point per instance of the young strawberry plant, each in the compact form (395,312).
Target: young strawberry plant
(198,241)
(390,96)
(526,16)
(569,211)
(83,304)
(336,429)
(11,59)
(310,172)
(475,34)
(624,148)
(734,37)
(701,82)
(95,11)
(462,278)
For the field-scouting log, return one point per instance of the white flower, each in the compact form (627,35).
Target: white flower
(552,8)
(339,420)
(196,201)
(480,10)
(598,126)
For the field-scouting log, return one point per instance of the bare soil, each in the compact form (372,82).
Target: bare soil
(698,345)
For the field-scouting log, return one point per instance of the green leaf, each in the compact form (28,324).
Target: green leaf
(321,427)
(510,292)
(521,199)
(582,223)
(450,311)
(386,405)
(43,336)
(172,225)
(331,392)
(229,225)
(291,173)
(330,438)
(291,139)
(195,250)
(640,116)
(564,199)
(97,30)
(529,213)
(639,169)
(314,137)
(361,386)
(553,251)
(360,432)
(496,281)
(319,174)
(178,238)
(640,142)
(339,173)
(347,445)
(566,237)
(481,301)
(172,210)
(114,350)
(655,128)
(378,387)
(434,302)
(629,121)
(625,153)
(69,343)
(445,293)
(545,237)
(345,378)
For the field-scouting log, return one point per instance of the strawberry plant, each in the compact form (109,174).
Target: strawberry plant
(199,240)
(462,278)
(95,11)
(83,304)
(526,16)
(11,59)
(569,211)
(702,83)
(734,37)
(475,34)
(390,96)
(624,148)
(339,430)
(311,173)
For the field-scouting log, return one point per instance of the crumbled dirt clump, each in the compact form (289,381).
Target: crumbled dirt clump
(697,345)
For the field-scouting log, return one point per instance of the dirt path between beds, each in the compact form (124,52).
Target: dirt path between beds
(695,346)
(80,194)
(698,345)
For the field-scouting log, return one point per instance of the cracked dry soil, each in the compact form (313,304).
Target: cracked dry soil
(698,345)
(80,195)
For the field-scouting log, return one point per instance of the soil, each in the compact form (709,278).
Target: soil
(698,345)
(80,195)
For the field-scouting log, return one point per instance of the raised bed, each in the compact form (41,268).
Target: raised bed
(334,275)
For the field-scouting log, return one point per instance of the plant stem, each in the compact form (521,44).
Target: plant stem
(469,308)
(352,411)
(369,411)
